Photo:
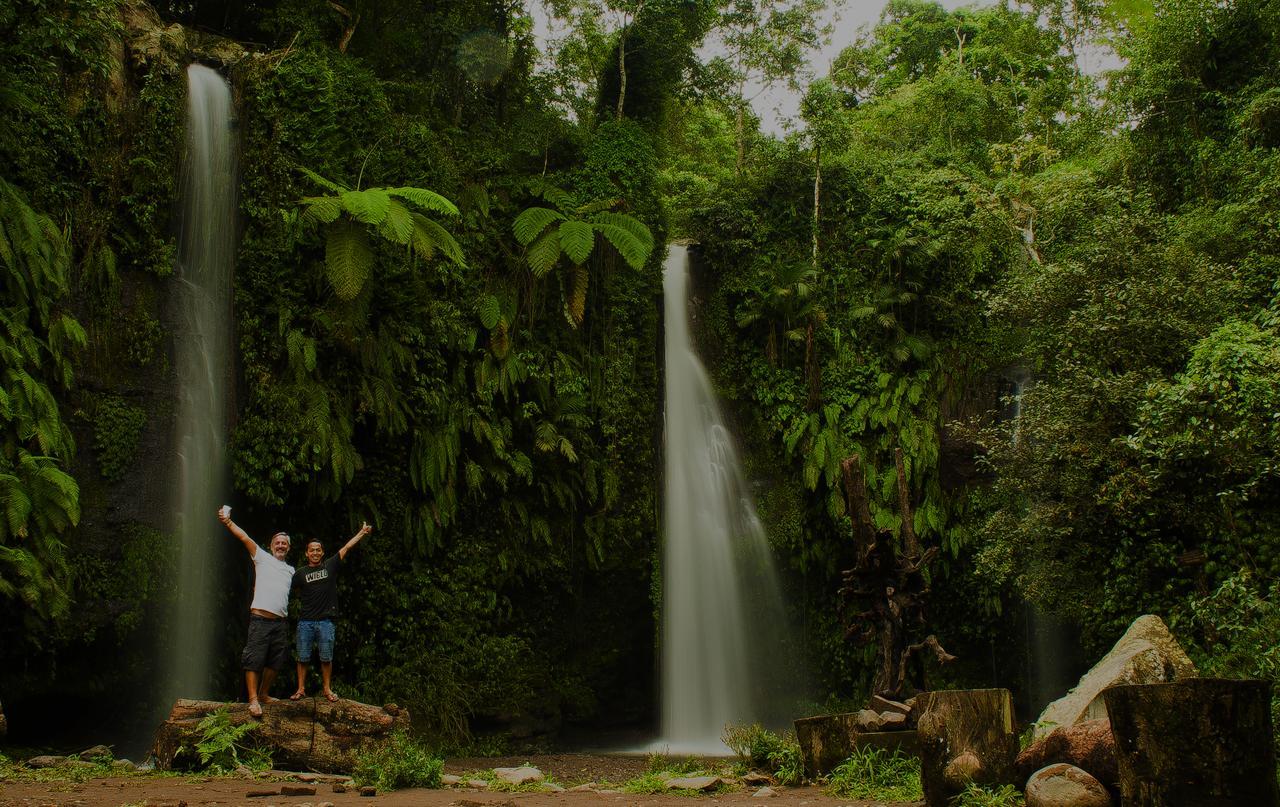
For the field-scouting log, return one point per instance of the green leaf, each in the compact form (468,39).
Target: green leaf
(321,209)
(321,181)
(426,199)
(544,253)
(369,206)
(490,311)
(348,259)
(429,236)
(576,239)
(629,247)
(397,227)
(530,224)
(631,224)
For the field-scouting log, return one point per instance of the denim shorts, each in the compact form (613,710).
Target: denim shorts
(315,634)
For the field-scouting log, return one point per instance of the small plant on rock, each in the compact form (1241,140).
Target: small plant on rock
(399,763)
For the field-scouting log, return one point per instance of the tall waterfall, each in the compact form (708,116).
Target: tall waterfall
(206,258)
(721,607)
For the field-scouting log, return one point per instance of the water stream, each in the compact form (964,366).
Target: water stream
(206,260)
(722,610)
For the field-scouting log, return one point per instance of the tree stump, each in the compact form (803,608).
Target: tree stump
(827,740)
(966,735)
(1203,742)
(310,734)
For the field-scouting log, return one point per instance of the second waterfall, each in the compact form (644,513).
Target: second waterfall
(722,613)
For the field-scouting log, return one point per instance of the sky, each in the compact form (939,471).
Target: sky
(778,104)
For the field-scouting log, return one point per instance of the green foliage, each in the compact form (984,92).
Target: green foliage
(873,773)
(225,745)
(117,426)
(979,796)
(765,750)
(1236,632)
(397,764)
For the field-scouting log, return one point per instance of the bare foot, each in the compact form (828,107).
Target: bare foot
(332,696)
(255,708)
(297,696)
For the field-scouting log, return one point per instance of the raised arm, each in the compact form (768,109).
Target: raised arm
(224,515)
(365,529)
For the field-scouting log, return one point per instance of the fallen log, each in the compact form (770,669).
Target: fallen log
(310,734)
(1203,742)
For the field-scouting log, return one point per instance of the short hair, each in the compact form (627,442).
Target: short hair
(283,535)
(315,541)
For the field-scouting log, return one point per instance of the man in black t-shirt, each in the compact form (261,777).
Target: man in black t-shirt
(317,587)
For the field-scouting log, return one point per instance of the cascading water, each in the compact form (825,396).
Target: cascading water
(721,608)
(206,258)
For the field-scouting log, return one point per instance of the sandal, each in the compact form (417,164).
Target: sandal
(297,696)
(332,696)
(255,708)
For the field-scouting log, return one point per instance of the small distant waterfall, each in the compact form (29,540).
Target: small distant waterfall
(206,259)
(721,608)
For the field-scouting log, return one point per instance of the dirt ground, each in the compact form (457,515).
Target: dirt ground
(565,769)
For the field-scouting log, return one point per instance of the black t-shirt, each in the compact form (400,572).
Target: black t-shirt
(317,587)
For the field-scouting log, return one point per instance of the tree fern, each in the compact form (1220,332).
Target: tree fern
(574,231)
(348,215)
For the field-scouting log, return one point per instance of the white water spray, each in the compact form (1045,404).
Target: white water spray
(721,611)
(206,259)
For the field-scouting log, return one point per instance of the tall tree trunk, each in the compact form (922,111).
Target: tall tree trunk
(817,198)
(622,73)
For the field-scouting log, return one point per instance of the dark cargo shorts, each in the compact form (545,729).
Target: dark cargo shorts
(267,645)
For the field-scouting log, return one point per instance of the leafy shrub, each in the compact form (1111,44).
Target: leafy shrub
(1237,633)
(397,764)
(223,746)
(661,763)
(979,796)
(764,750)
(873,773)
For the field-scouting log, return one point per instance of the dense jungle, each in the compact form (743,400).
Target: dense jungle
(1056,289)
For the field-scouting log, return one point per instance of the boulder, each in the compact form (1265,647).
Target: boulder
(1089,746)
(1062,785)
(764,793)
(703,783)
(892,721)
(518,776)
(95,752)
(1146,654)
(45,761)
(868,720)
(309,734)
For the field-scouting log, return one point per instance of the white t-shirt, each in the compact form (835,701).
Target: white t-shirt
(271,591)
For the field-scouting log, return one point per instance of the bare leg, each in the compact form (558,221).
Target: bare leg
(251,683)
(301,691)
(326,674)
(268,675)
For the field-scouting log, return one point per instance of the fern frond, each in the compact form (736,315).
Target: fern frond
(348,259)
(320,209)
(577,239)
(575,303)
(397,227)
(427,199)
(544,253)
(369,206)
(530,224)
(321,181)
(431,235)
(631,224)
(632,250)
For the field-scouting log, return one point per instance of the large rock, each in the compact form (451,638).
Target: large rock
(310,734)
(1146,654)
(1065,785)
(1089,746)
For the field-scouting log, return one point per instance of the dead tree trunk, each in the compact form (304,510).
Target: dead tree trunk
(888,588)
(1205,742)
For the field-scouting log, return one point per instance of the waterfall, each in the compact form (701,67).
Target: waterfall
(206,258)
(722,611)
